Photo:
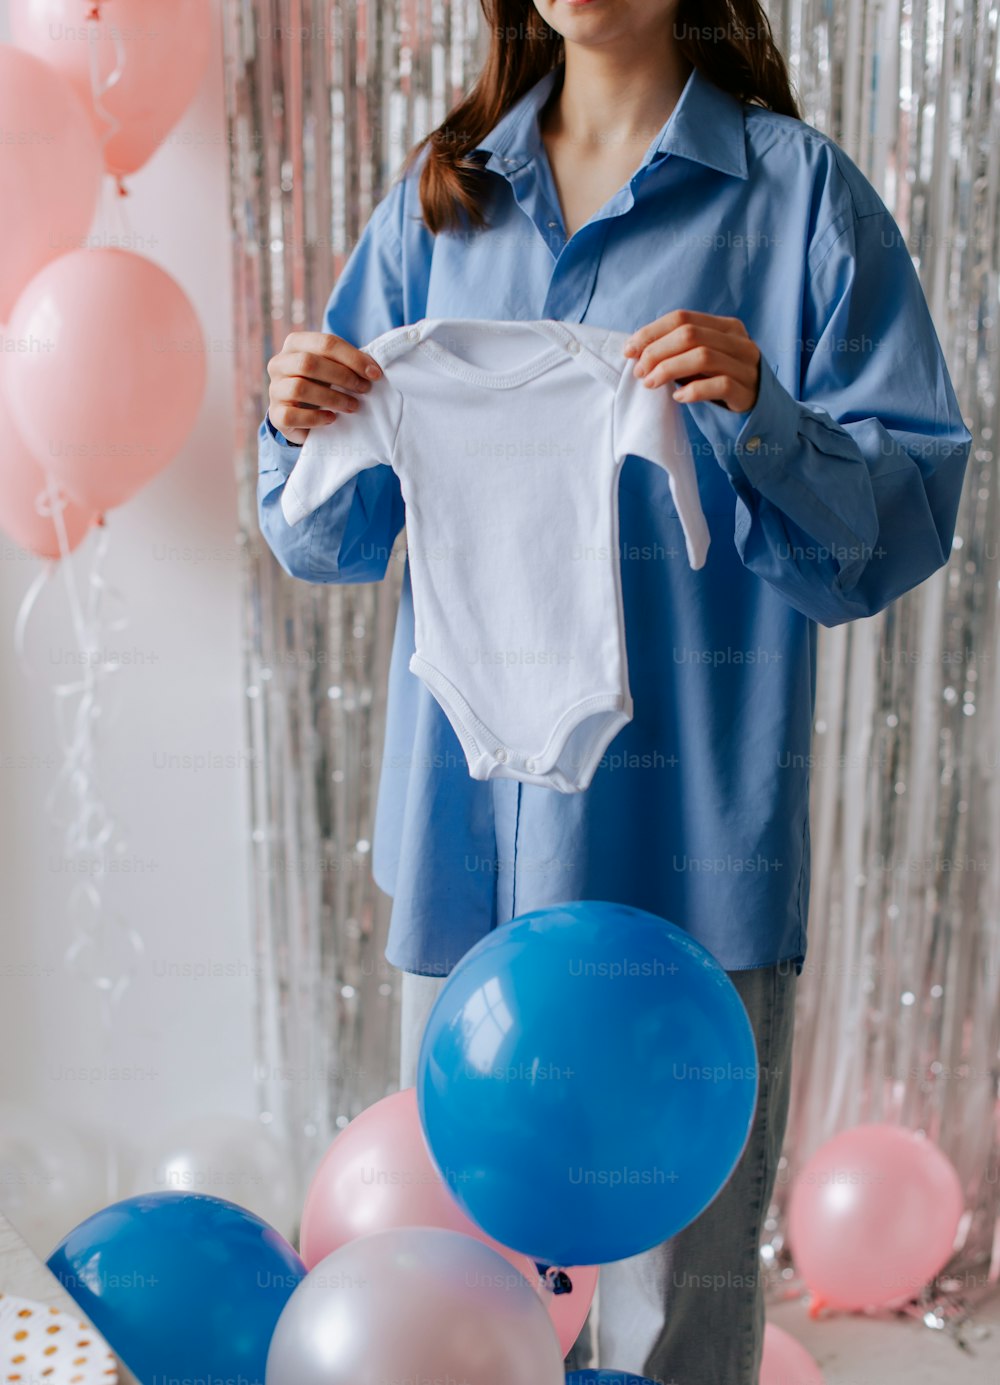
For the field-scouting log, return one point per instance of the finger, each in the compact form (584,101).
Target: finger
(716,389)
(641,338)
(689,337)
(701,361)
(287,419)
(307,365)
(292,389)
(326,351)
(363,365)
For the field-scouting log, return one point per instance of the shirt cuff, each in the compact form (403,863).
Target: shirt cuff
(279,438)
(756,444)
(276,453)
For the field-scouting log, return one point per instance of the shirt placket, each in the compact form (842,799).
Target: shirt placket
(575,260)
(571,285)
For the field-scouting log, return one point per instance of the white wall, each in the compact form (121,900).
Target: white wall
(174,557)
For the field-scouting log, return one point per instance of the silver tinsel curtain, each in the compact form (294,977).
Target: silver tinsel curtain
(899,1017)
(900,1000)
(323,100)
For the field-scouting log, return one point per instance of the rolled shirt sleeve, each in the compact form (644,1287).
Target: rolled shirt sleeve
(348,538)
(848,494)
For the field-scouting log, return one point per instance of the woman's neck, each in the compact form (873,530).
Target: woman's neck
(604,102)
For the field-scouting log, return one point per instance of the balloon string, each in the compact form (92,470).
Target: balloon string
(98,88)
(51,503)
(112,1171)
(24,615)
(89,828)
(816,1305)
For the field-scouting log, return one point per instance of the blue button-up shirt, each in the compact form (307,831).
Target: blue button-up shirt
(834,494)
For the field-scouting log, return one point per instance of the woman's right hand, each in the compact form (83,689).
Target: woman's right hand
(314,377)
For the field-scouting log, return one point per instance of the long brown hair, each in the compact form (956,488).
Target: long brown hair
(729,40)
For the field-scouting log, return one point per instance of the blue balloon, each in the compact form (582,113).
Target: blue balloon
(606,1378)
(181,1285)
(587,1082)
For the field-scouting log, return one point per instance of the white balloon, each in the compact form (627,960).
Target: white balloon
(415,1303)
(51,1176)
(231,1157)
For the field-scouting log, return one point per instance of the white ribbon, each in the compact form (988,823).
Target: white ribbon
(99,88)
(74,802)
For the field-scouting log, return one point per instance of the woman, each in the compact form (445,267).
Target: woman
(640,165)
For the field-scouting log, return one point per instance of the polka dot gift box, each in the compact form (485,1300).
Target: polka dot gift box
(40,1343)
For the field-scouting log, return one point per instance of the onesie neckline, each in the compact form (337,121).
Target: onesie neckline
(497,379)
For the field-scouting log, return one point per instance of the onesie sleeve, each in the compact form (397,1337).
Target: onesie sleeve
(647,423)
(350,537)
(334,454)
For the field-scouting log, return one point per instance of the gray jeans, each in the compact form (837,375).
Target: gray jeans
(689,1311)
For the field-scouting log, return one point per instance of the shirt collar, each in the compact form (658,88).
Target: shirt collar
(706,125)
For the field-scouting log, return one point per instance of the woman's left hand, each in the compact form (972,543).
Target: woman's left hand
(711,357)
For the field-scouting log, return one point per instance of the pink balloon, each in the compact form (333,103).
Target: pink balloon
(378,1175)
(873,1216)
(50,170)
(786,1361)
(165,45)
(22,483)
(111,386)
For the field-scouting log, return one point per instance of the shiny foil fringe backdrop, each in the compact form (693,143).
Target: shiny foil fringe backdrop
(323,101)
(899,1014)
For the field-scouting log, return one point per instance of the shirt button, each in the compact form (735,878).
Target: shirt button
(413,333)
(752,444)
(501,755)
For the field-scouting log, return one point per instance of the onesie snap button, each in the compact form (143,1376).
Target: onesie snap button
(529,765)
(502,755)
(573,346)
(413,333)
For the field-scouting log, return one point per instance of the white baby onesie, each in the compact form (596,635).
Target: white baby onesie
(507,438)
